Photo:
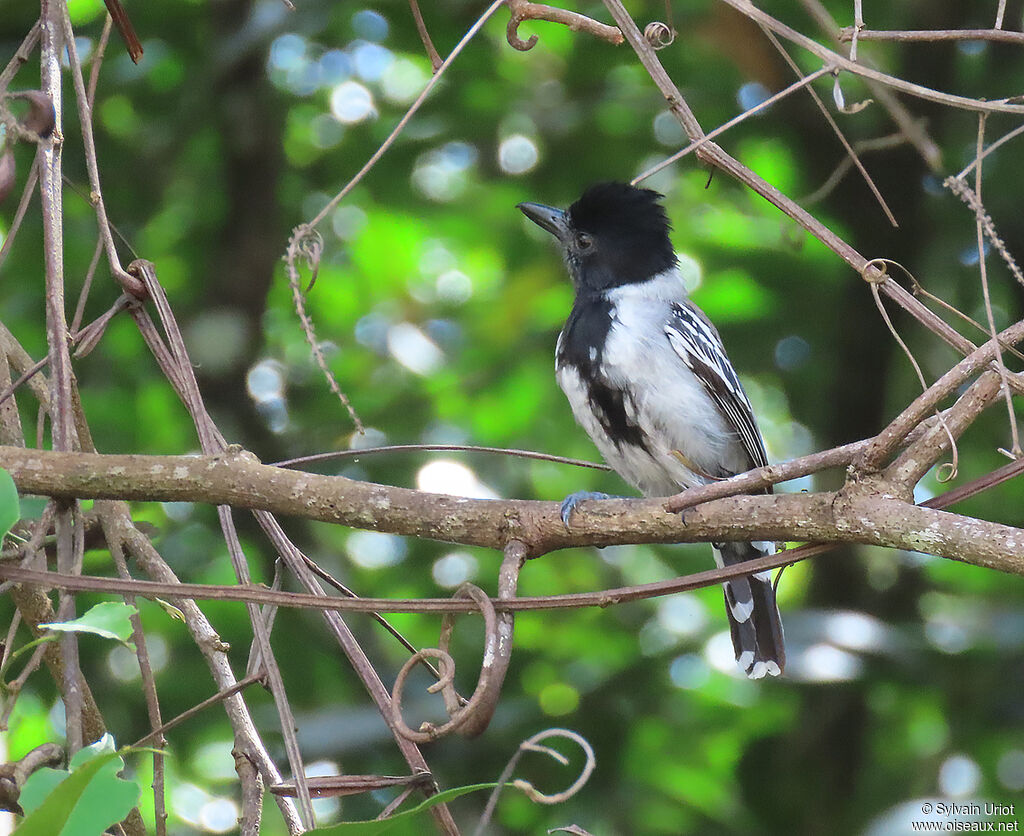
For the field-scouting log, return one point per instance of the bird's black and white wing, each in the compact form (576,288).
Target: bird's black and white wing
(753,615)
(698,345)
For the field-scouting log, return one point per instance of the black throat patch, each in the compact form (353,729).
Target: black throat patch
(582,347)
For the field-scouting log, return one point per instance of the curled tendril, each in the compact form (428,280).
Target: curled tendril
(659,35)
(520,10)
(309,246)
(875,273)
(469,717)
(535,744)
(512,34)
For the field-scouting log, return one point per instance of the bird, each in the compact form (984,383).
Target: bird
(648,379)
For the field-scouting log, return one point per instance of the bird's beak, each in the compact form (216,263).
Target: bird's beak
(547,217)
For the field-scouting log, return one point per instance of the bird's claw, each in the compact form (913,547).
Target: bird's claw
(572,500)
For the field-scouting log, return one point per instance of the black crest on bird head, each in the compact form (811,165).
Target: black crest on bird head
(630,232)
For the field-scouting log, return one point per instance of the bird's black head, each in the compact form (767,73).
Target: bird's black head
(615,234)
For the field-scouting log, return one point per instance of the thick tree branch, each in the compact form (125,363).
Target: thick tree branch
(237,479)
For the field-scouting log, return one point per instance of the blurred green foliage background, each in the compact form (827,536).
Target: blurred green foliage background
(439,306)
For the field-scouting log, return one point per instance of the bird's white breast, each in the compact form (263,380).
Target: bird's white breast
(663,397)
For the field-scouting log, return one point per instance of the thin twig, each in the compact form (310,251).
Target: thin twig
(263,595)
(428,45)
(745,7)
(12,631)
(999,14)
(23,204)
(1005,138)
(862,146)
(858,26)
(932,35)
(913,362)
(11,431)
(83,296)
(307,243)
(1015,448)
(20,57)
(469,717)
(534,744)
(148,687)
(85,339)
(706,138)
(13,688)
(198,708)
(969,196)
(422,97)
(128,282)
(773,474)
(334,583)
(914,462)
(32,558)
(521,10)
(125,29)
(885,443)
(437,448)
(272,671)
(97,59)
(850,152)
(214,651)
(912,128)
(920,290)
(213,444)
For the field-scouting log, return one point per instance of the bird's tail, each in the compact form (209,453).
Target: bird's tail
(754,619)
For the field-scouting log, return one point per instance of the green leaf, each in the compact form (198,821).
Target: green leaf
(111,620)
(88,799)
(9,509)
(409,823)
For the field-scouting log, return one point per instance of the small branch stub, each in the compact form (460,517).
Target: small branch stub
(521,10)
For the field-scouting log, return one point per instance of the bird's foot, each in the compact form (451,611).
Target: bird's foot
(572,500)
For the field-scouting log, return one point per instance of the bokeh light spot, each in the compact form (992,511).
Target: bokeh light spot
(351,102)
(518,154)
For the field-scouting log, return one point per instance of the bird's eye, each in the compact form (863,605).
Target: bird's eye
(584,241)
